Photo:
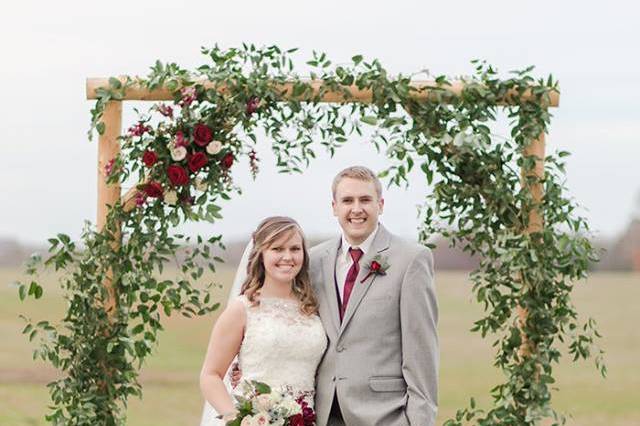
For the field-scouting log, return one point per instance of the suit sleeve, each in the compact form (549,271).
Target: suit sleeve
(420,351)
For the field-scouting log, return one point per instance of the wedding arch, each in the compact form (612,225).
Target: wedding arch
(501,198)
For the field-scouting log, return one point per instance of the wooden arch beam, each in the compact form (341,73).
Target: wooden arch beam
(424,90)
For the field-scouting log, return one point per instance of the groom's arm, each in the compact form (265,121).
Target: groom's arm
(420,352)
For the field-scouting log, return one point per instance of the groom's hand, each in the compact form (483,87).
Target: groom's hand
(235,375)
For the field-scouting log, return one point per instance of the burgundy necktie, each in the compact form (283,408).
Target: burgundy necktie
(350,280)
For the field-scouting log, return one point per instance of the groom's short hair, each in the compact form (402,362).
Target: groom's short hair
(360,173)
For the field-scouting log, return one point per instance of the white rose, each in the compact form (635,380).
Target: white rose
(275,397)
(201,184)
(248,421)
(292,407)
(262,418)
(178,153)
(214,147)
(262,403)
(171,197)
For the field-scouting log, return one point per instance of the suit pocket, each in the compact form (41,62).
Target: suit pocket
(387,384)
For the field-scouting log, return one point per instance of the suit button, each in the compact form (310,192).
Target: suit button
(333,379)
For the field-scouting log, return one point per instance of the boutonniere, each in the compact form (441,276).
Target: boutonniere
(378,266)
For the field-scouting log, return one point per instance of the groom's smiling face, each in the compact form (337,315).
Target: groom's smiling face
(357,206)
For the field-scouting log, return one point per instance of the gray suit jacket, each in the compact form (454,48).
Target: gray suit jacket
(382,360)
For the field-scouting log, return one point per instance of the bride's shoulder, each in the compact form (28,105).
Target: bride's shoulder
(237,307)
(241,301)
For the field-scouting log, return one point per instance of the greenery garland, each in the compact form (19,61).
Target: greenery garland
(182,154)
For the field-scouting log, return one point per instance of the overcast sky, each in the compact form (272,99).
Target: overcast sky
(47,166)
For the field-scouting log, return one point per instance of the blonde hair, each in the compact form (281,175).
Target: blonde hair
(359,173)
(270,230)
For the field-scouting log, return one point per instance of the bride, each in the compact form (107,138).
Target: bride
(272,326)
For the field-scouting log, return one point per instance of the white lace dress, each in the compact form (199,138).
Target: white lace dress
(282,347)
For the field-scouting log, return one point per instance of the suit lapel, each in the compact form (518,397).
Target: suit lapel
(329,282)
(380,244)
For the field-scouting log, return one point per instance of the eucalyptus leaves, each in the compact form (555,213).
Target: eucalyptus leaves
(481,199)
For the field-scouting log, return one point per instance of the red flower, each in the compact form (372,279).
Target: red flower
(108,168)
(180,139)
(252,105)
(296,420)
(165,110)
(177,175)
(149,158)
(197,161)
(139,129)
(189,94)
(187,199)
(227,161)
(202,134)
(377,268)
(141,198)
(308,415)
(153,189)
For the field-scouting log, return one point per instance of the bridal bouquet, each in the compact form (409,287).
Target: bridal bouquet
(261,406)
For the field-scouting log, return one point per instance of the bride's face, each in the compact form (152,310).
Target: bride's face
(284,258)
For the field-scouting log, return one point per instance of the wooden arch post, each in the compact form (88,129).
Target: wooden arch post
(108,194)
(109,147)
(535,149)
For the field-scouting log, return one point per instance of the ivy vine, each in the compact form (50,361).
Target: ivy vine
(479,201)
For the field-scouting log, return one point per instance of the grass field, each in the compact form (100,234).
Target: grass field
(171,393)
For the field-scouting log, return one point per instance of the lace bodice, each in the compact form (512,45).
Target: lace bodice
(282,346)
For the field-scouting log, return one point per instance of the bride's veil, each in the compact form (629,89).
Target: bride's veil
(209,414)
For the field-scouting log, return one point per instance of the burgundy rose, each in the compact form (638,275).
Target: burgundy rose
(187,199)
(153,189)
(296,420)
(308,415)
(139,129)
(375,266)
(141,198)
(197,161)
(149,158)
(180,139)
(177,175)
(189,94)
(202,134)
(227,161)
(252,105)
(165,110)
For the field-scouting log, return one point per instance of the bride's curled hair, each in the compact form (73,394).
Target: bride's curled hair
(270,230)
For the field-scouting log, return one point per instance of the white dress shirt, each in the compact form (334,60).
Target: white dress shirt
(344,260)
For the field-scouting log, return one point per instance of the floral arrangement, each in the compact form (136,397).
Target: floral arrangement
(192,147)
(378,266)
(259,405)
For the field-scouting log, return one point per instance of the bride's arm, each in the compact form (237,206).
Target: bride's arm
(224,345)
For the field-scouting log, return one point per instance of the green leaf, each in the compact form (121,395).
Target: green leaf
(261,388)
(370,120)
(115,83)
(38,292)
(171,85)
(22,291)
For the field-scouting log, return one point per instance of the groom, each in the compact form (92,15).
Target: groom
(378,306)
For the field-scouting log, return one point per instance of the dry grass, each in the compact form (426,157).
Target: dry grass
(171,394)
